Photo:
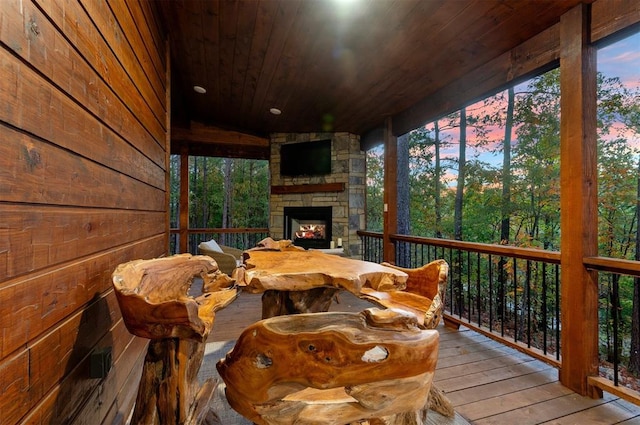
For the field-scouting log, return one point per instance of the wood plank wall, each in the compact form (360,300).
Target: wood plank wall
(83,159)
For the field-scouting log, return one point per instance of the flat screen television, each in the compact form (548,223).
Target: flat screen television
(306,158)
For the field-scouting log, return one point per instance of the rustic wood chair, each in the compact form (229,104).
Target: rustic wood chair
(423,296)
(154,301)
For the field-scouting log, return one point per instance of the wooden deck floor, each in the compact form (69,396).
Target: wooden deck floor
(487,382)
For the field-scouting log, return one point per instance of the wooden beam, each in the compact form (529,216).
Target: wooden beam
(611,19)
(372,138)
(221,151)
(204,140)
(532,57)
(202,133)
(578,202)
(390,197)
(614,19)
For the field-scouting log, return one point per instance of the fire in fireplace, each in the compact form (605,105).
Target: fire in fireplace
(308,227)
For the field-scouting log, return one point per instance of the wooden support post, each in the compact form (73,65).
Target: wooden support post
(390,197)
(184,200)
(578,204)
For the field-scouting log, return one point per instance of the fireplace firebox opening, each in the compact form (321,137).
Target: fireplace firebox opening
(308,227)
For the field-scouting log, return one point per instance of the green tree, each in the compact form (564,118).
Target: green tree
(374,189)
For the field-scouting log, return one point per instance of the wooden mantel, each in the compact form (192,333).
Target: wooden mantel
(307,188)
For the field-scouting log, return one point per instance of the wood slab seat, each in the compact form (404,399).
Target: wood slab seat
(332,368)
(424,293)
(153,296)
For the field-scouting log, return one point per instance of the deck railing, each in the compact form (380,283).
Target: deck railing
(241,238)
(512,295)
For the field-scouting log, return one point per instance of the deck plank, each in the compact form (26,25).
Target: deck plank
(611,413)
(489,376)
(501,388)
(510,401)
(538,413)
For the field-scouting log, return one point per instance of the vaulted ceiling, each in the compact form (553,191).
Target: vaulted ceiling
(333,65)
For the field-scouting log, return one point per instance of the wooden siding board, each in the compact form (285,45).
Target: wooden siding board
(53,176)
(105,405)
(14,382)
(47,113)
(78,28)
(148,59)
(61,358)
(69,383)
(41,237)
(107,25)
(43,300)
(120,410)
(143,11)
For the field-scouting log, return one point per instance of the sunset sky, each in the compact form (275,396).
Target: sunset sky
(621,59)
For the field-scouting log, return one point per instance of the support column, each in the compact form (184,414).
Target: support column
(390,196)
(184,200)
(578,203)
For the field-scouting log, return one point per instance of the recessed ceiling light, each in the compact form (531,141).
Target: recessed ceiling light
(199,89)
(275,111)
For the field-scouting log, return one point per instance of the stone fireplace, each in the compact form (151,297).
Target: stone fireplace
(342,192)
(308,227)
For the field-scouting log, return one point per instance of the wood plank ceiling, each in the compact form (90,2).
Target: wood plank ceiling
(332,65)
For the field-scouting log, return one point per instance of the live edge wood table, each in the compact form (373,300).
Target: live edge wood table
(318,367)
(155,303)
(293,280)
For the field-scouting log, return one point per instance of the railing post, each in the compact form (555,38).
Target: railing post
(578,202)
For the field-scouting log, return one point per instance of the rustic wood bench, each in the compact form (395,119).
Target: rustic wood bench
(332,368)
(424,293)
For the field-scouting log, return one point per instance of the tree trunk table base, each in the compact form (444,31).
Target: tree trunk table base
(282,303)
(171,367)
